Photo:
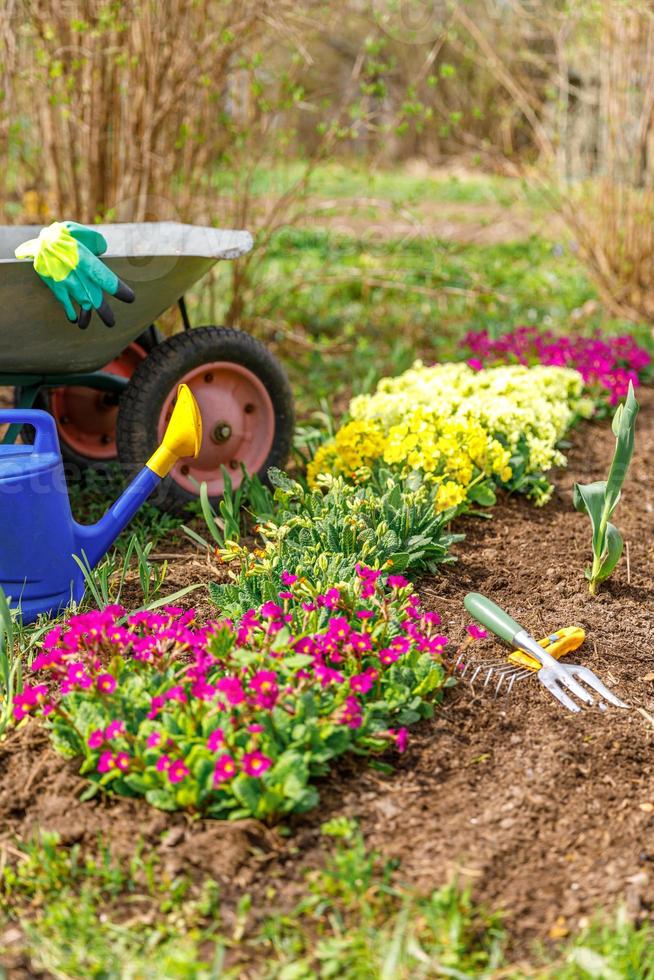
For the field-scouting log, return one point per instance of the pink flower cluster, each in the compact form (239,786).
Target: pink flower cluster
(605,363)
(174,697)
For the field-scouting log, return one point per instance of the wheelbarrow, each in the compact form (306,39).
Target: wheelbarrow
(112,391)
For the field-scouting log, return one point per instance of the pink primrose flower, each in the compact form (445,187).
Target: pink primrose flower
(106,762)
(400,737)
(476,632)
(388,656)
(397,582)
(362,683)
(270,610)
(256,763)
(232,689)
(113,729)
(105,683)
(153,740)
(288,579)
(224,769)
(216,739)
(177,771)
(351,714)
(96,739)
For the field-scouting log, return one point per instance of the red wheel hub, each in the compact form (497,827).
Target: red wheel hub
(86,417)
(238,425)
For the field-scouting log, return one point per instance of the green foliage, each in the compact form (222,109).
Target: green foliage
(11,665)
(238,719)
(71,908)
(321,534)
(600,499)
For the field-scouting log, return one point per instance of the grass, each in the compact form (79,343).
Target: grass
(363,308)
(92,915)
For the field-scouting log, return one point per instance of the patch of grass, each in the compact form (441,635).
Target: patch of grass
(91,915)
(364,308)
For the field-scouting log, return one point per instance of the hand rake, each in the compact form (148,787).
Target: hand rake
(559,679)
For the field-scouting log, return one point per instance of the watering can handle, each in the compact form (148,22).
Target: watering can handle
(46,439)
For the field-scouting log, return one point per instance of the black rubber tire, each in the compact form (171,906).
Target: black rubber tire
(74,461)
(143,399)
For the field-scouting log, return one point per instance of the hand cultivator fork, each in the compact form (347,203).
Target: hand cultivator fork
(561,680)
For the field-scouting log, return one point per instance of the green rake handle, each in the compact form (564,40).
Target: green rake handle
(492,616)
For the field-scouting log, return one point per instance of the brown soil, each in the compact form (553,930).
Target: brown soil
(550,815)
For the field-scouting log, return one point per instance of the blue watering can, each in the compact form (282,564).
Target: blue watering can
(38,536)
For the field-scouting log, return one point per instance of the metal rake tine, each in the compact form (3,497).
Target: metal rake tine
(588,677)
(553,687)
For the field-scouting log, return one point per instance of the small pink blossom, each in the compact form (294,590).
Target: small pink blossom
(256,763)
(476,632)
(177,771)
(105,683)
(96,739)
(224,769)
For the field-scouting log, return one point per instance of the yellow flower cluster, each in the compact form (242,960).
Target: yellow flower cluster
(459,427)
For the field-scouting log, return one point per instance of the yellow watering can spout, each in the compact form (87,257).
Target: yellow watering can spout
(182,437)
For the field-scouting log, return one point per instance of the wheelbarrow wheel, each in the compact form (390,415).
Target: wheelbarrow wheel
(244,398)
(86,417)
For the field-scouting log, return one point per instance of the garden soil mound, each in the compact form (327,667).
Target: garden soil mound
(549,815)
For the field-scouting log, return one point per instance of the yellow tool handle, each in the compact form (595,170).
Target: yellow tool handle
(557,645)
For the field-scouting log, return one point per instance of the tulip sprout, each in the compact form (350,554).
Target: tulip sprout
(600,499)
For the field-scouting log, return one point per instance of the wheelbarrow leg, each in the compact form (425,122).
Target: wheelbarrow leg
(27,398)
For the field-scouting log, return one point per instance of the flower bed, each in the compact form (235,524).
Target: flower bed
(607,364)
(464,431)
(234,719)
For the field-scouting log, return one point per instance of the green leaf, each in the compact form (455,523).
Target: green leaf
(483,494)
(589,497)
(613,544)
(161,799)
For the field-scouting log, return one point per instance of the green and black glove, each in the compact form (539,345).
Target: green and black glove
(65,256)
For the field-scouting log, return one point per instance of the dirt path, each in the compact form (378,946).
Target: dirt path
(549,815)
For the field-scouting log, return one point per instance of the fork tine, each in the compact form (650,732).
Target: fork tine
(588,677)
(560,695)
(566,677)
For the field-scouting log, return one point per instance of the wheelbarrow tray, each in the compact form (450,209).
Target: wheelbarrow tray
(160,261)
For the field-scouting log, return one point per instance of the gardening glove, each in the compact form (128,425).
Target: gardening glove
(65,257)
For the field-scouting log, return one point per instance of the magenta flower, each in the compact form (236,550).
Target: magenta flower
(388,656)
(163,763)
(476,632)
(270,610)
(216,739)
(106,762)
(224,769)
(329,599)
(362,683)
(96,739)
(105,683)
(177,771)
(360,642)
(153,740)
(232,689)
(400,737)
(288,579)
(397,582)
(121,761)
(256,763)
(113,729)
(31,697)
(351,714)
